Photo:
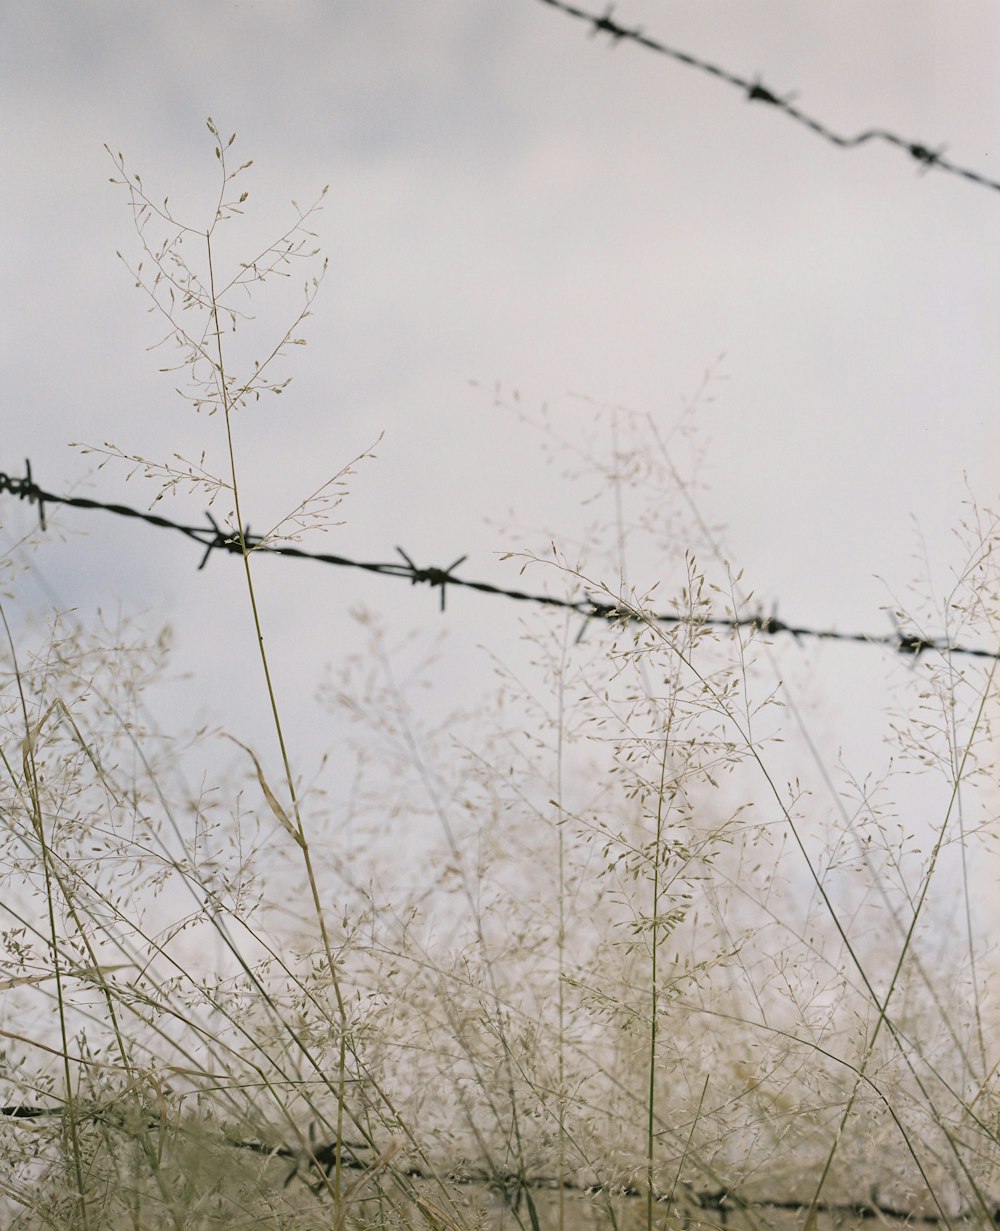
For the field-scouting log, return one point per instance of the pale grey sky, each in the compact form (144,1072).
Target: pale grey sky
(512,201)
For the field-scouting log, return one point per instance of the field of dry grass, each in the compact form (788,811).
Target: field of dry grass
(648,978)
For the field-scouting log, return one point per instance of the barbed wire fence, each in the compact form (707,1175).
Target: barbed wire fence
(756,91)
(214,538)
(516,1187)
(513,1188)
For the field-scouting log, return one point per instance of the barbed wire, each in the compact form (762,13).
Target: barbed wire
(213,538)
(515,1186)
(756,91)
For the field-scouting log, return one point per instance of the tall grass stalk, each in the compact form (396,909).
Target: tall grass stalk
(299,832)
(222,391)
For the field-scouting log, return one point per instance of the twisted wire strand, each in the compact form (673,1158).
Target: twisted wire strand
(213,538)
(512,1186)
(756,91)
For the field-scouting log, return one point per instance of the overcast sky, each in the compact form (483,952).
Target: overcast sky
(513,203)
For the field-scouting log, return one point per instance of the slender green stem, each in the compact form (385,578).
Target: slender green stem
(31,733)
(562,1031)
(228,410)
(883,1004)
(654,1006)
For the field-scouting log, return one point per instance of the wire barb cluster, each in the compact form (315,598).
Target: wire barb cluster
(756,91)
(214,538)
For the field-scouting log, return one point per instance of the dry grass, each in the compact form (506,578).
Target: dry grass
(652,980)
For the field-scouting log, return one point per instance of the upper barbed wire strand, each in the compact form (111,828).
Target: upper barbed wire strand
(756,91)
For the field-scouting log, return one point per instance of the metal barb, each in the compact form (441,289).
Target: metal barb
(35,493)
(433,576)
